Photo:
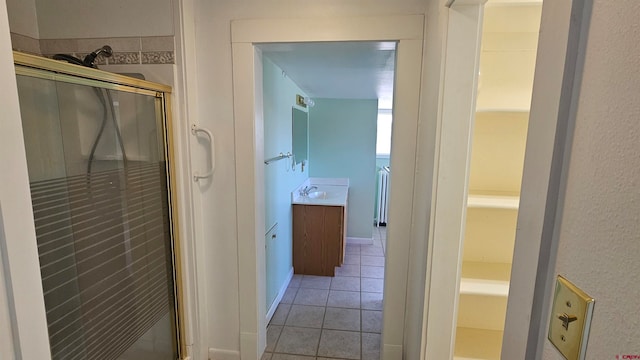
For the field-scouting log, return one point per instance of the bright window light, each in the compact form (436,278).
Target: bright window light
(383,141)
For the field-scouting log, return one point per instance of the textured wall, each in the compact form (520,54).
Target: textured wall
(97,19)
(23,22)
(23,18)
(143,30)
(600,227)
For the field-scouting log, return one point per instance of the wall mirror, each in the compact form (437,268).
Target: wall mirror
(300,126)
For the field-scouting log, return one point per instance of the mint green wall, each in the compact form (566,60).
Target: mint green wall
(279,97)
(342,144)
(380,162)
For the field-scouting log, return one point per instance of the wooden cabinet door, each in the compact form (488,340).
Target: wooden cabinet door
(317,239)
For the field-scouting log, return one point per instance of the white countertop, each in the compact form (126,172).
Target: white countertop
(331,192)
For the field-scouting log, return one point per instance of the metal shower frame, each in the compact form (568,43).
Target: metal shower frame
(44,68)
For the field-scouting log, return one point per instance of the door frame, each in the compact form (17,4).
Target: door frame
(563,32)
(22,284)
(563,28)
(408,31)
(460,83)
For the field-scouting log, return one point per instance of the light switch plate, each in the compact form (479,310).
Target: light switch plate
(570,319)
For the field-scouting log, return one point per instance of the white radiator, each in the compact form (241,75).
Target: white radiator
(383,196)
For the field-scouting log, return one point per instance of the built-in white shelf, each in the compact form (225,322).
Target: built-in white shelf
(513,2)
(486,270)
(507,67)
(485,279)
(502,110)
(483,287)
(513,99)
(477,344)
(493,202)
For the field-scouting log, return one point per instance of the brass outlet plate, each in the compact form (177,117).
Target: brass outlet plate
(570,319)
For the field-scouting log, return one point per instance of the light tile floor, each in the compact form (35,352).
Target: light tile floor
(333,318)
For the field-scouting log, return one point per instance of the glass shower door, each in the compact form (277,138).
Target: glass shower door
(98,177)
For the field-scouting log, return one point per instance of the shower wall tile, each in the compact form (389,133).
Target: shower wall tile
(25,44)
(124,58)
(58,46)
(158,43)
(100,60)
(158,57)
(117,44)
(126,50)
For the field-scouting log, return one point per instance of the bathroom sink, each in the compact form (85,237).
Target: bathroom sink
(318,195)
(321,194)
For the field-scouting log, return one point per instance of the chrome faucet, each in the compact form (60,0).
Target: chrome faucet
(306,190)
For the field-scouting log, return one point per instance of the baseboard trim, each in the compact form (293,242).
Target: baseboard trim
(391,352)
(276,302)
(359,241)
(219,354)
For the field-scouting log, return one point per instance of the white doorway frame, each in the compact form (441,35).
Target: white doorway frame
(21,295)
(462,55)
(408,31)
(548,141)
(563,32)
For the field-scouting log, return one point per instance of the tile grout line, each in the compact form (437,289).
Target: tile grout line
(285,321)
(326,305)
(324,317)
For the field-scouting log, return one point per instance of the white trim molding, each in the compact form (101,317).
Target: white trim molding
(458,111)
(184,103)
(276,301)
(18,238)
(563,28)
(219,354)
(359,241)
(247,78)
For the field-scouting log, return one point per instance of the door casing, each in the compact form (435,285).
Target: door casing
(247,76)
(563,28)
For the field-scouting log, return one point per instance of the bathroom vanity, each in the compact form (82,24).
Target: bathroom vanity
(319,225)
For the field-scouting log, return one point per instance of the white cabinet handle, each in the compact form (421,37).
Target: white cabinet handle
(195,129)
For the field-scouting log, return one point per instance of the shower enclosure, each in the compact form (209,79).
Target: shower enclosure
(99,164)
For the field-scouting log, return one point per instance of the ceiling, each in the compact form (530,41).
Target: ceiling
(338,70)
(365,70)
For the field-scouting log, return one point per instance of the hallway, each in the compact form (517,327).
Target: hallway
(333,318)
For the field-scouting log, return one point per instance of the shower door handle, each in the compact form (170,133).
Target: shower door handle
(195,129)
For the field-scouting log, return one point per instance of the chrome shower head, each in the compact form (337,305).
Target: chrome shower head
(105,51)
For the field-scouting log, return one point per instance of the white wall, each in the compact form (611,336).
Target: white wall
(6,331)
(216,112)
(18,237)
(24,19)
(599,234)
(70,19)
